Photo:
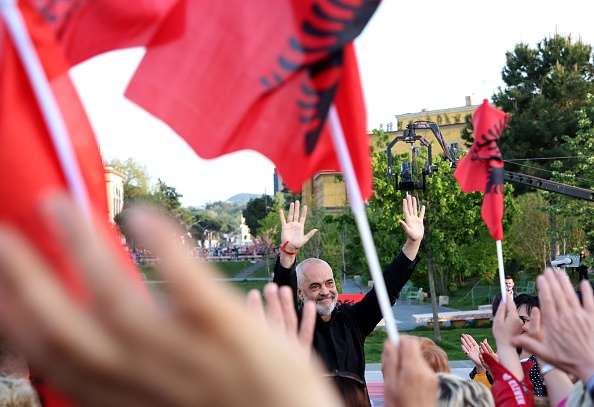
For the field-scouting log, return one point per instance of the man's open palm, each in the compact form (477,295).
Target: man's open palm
(294,226)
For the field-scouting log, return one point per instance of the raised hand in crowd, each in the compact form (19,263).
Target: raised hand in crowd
(293,235)
(412,225)
(557,382)
(568,328)
(408,379)
(506,325)
(472,350)
(119,350)
(281,316)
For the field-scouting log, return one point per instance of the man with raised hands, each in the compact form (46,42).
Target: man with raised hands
(341,330)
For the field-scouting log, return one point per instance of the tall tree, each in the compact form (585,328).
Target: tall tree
(545,87)
(256,210)
(581,174)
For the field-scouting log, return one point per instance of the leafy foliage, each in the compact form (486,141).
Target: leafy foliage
(545,87)
(580,174)
(456,240)
(256,210)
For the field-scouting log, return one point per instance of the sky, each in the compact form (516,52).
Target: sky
(412,55)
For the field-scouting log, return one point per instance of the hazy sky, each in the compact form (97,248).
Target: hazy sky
(412,55)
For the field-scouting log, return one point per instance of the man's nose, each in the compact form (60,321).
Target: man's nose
(324,290)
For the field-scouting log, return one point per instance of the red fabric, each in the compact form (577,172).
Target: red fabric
(88,28)
(28,160)
(482,168)
(237,79)
(507,390)
(350,298)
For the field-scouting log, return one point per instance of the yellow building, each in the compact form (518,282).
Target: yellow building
(324,191)
(114,182)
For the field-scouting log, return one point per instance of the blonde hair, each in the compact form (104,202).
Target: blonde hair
(455,391)
(434,355)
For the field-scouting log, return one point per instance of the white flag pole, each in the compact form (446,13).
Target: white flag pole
(47,103)
(501,271)
(359,211)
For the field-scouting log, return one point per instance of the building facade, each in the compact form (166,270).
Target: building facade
(114,182)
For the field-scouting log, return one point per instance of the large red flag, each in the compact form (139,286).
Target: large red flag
(87,28)
(29,163)
(482,168)
(235,80)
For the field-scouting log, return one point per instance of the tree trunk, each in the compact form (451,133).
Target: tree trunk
(553,236)
(433,297)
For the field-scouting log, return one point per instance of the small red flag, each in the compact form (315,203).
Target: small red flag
(234,81)
(482,168)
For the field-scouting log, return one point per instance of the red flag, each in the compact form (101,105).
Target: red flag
(236,81)
(88,28)
(28,160)
(482,168)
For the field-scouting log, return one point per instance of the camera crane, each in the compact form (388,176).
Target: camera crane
(406,180)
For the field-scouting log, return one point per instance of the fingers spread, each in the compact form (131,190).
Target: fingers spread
(282,217)
(303,214)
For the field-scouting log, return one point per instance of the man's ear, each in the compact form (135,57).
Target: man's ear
(300,294)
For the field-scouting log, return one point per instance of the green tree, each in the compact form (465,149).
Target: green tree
(545,87)
(581,174)
(270,225)
(137,179)
(529,234)
(256,210)
(266,245)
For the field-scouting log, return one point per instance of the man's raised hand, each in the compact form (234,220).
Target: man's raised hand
(293,228)
(413,226)
(413,221)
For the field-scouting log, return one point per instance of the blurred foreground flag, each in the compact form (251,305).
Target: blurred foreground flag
(87,28)
(261,75)
(30,164)
(482,168)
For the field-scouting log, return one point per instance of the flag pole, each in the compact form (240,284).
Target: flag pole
(358,208)
(501,272)
(47,104)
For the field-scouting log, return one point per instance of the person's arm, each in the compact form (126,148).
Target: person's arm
(505,325)
(367,312)
(286,277)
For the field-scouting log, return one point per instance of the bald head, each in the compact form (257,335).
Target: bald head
(315,282)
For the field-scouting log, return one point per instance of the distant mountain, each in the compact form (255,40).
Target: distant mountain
(242,199)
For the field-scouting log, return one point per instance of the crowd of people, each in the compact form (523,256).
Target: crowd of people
(211,347)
